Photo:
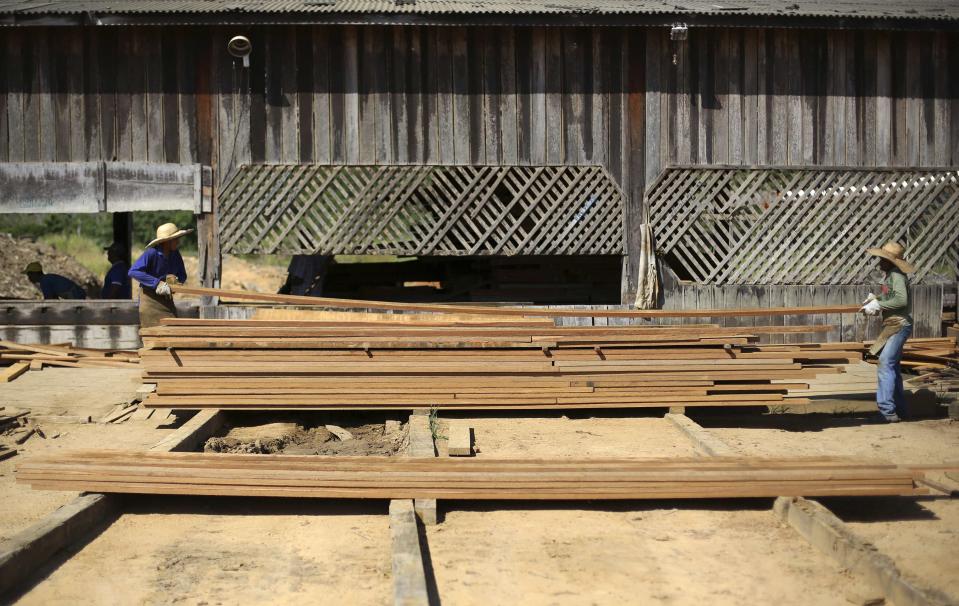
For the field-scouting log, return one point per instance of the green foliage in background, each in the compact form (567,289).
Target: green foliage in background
(96,228)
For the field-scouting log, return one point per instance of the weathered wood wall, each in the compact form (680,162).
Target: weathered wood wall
(483,95)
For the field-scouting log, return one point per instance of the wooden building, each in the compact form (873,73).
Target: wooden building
(548,130)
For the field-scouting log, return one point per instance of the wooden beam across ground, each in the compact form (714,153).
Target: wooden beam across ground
(205,474)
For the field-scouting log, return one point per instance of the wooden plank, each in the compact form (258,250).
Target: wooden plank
(460,60)
(409,576)
(501,311)
(15,93)
(319,37)
(13,371)
(460,443)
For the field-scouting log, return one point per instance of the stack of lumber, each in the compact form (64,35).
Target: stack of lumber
(518,364)
(20,355)
(943,381)
(183,473)
(930,353)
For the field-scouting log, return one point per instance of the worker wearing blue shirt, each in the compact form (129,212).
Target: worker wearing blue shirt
(116,284)
(53,286)
(158,266)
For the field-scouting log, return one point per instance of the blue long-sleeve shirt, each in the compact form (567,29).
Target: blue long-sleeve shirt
(55,286)
(153,266)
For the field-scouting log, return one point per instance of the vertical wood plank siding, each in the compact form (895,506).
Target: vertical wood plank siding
(630,99)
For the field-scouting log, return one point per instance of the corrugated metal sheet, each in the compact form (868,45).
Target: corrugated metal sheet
(874,9)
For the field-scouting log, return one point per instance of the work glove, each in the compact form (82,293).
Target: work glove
(872,308)
(869,297)
(163,289)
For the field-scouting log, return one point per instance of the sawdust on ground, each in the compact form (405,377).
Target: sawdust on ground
(22,505)
(570,553)
(65,392)
(562,436)
(229,551)
(926,441)
(921,536)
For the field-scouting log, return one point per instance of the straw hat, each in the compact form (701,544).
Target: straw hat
(33,268)
(893,251)
(168,231)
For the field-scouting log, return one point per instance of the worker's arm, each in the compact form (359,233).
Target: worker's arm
(143,269)
(898,295)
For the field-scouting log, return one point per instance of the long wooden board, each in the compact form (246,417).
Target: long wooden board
(509,311)
(445,478)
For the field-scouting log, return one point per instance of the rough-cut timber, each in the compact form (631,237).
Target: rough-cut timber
(184,473)
(302,365)
(513,311)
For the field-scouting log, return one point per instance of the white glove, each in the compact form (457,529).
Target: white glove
(872,308)
(869,297)
(163,289)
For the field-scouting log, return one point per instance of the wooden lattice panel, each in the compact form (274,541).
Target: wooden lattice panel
(421,210)
(802,226)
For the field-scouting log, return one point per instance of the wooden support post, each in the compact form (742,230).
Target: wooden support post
(208,252)
(409,575)
(421,445)
(123,233)
(830,535)
(23,554)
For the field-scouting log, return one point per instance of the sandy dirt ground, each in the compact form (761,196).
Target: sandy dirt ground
(71,391)
(922,536)
(22,506)
(207,552)
(58,392)
(703,554)
(515,437)
(926,441)
(212,551)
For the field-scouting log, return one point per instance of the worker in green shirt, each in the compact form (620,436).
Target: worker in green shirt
(894,302)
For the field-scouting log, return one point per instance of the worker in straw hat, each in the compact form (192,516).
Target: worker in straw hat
(53,286)
(159,266)
(894,303)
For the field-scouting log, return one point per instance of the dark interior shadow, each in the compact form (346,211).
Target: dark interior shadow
(808,422)
(252,506)
(880,509)
(625,506)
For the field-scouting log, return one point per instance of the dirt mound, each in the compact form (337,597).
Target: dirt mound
(376,439)
(15,253)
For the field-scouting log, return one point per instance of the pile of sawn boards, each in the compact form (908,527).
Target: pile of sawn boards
(518,363)
(183,473)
